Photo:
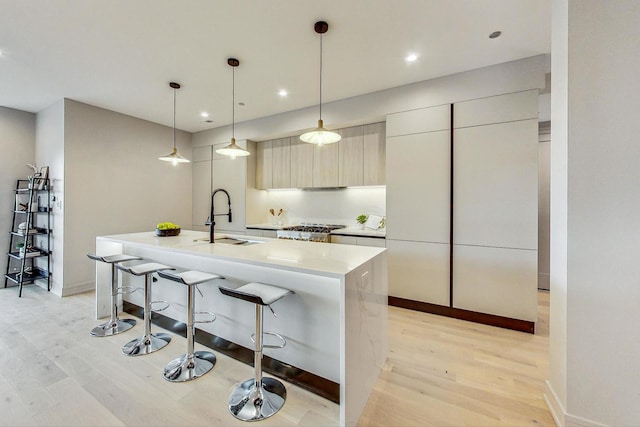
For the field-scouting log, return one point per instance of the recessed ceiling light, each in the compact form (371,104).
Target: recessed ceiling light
(283,92)
(204,114)
(495,34)
(411,57)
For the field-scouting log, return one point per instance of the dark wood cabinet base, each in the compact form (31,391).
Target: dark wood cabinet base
(458,313)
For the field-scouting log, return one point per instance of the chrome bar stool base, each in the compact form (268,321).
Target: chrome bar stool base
(113,327)
(149,342)
(193,364)
(259,397)
(189,366)
(146,345)
(251,403)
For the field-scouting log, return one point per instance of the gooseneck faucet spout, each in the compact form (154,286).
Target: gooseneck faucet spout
(211,221)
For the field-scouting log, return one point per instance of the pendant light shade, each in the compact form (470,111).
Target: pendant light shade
(174,157)
(233,150)
(320,135)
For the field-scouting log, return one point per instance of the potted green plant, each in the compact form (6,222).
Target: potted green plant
(362,218)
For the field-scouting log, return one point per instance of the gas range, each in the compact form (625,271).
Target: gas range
(309,232)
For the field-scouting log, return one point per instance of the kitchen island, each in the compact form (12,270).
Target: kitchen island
(335,323)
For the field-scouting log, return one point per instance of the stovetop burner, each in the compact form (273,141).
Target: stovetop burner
(314,228)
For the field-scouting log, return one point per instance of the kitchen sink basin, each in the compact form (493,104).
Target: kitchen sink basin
(233,241)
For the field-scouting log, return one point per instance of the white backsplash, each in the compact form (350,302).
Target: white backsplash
(340,206)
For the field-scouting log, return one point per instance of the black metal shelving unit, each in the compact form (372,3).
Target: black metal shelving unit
(30,242)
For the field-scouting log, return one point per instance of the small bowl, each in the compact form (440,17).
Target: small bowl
(168,232)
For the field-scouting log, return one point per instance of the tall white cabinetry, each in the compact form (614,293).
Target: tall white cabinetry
(418,192)
(494,195)
(212,171)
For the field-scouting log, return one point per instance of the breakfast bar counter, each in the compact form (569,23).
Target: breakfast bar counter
(335,324)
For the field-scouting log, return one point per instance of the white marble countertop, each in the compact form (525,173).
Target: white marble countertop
(323,259)
(353,231)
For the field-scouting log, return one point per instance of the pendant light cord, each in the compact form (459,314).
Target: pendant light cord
(174,118)
(233,102)
(320,76)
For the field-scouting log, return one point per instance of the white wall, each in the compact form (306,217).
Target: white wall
(50,152)
(594,346)
(513,76)
(107,180)
(17,145)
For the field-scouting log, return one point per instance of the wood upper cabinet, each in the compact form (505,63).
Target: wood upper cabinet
(374,154)
(326,165)
(281,163)
(264,165)
(350,155)
(357,159)
(301,163)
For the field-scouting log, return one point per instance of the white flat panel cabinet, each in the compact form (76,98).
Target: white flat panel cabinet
(201,154)
(497,109)
(326,165)
(419,271)
(496,185)
(418,121)
(374,154)
(418,193)
(350,156)
(201,192)
(344,240)
(301,164)
(498,281)
(358,241)
(264,165)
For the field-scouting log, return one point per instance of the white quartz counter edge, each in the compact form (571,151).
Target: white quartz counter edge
(367,232)
(323,259)
(268,226)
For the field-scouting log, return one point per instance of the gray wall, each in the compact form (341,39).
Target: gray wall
(17,145)
(108,180)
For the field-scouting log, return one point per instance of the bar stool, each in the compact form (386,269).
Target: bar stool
(258,398)
(149,342)
(192,364)
(114,325)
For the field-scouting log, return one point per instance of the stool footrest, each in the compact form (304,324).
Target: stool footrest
(273,334)
(167,304)
(125,290)
(207,313)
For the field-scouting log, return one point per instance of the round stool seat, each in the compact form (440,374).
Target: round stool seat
(257,293)
(259,397)
(190,277)
(192,364)
(145,268)
(115,325)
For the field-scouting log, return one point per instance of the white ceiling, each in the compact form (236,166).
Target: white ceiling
(121,54)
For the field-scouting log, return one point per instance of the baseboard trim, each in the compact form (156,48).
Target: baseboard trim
(306,380)
(554,404)
(559,413)
(458,313)
(78,289)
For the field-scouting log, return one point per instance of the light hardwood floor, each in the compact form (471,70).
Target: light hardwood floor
(440,371)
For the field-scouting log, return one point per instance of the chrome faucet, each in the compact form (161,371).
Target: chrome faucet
(211,220)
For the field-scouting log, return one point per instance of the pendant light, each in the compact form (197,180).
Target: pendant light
(320,135)
(233,150)
(174,157)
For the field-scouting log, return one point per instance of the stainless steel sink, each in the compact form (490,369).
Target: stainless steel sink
(233,241)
